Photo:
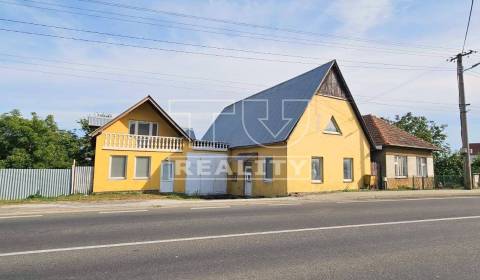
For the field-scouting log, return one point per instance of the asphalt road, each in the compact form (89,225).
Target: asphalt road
(398,239)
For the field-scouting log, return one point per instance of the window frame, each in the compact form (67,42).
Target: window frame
(110,168)
(398,168)
(137,122)
(321,171)
(265,179)
(338,131)
(149,168)
(422,167)
(348,180)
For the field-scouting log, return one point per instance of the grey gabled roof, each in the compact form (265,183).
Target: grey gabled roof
(190,132)
(270,115)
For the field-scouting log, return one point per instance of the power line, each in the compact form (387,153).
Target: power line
(410,106)
(204,46)
(145,83)
(104,79)
(96,66)
(200,53)
(293,40)
(217,20)
(124,75)
(133,70)
(412,101)
(468,25)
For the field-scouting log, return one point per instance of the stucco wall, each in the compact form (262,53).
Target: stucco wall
(276,187)
(412,179)
(309,140)
(102,182)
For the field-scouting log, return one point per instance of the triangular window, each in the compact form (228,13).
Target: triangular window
(332,127)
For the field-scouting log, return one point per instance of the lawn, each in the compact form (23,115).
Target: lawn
(98,197)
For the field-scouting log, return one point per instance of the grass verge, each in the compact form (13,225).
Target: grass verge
(98,197)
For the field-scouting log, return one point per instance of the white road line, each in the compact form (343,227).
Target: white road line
(284,204)
(123,211)
(18,217)
(224,236)
(404,199)
(209,207)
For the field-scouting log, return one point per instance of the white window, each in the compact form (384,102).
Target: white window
(317,169)
(401,166)
(268,169)
(332,127)
(422,167)
(142,167)
(348,169)
(143,128)
(118,167)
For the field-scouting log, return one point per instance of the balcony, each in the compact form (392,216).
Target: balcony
(202,145)
(131,142)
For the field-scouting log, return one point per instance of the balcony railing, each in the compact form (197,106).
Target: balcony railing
(209,145)
(117,141)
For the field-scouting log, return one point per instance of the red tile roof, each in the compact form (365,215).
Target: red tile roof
(475,147)
(385,134)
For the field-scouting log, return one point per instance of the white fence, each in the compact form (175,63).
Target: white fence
(117,141)
(203,145)
(22,183)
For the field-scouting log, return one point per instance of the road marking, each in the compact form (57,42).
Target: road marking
(123,211)
(284,204)
(18,217)
(405,199)
(209,207)
(224,236)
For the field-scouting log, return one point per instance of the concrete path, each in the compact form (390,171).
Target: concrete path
(114,205)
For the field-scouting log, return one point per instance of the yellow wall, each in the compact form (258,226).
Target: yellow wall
(292,161)
(102,183)
(309,140)
(276,187)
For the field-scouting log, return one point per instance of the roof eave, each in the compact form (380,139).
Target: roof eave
(148,98)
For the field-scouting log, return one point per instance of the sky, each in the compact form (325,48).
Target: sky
(80,57)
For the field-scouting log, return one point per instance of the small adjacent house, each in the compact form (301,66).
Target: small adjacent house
(474,150)
(401,159)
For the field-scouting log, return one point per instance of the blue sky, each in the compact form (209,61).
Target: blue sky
(392,54)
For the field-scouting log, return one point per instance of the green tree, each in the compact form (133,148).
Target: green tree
(35,142)
(87,150)
(476,165)
(421,127)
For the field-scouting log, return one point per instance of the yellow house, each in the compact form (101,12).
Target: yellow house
(143,149)
(303,135)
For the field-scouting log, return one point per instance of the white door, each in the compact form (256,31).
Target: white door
(248,181)
(166,177)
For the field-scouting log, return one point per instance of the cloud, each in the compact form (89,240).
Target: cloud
(70,98)
(357,17)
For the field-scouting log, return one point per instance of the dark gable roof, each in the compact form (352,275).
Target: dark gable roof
(385,134)
(155,105)
(245,122)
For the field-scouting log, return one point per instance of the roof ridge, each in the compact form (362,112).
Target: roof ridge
(386,138)
(297,76)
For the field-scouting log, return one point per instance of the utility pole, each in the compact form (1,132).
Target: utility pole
(463,120)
